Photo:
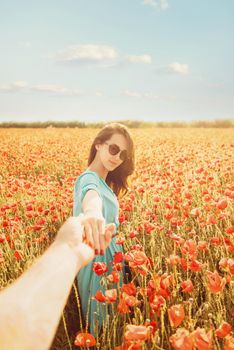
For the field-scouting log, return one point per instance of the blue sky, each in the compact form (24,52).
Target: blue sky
(103,60)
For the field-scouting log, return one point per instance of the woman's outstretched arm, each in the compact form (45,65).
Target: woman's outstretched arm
(30,308)
(95,222)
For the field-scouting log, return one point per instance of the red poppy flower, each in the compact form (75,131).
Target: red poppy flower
(157,302)
(99,296)
(231,266)
(123,307)
(99,268)
(184,264)
(215,282)
(152,324)
(227,279)
(140,258)
(129,288)
(130,300)
(173,259)
(17,255)
(212,220)
(222,204)
(230,230)
(215,241)
(195,265)
(118,267)
(223,263)
(203,340)
(85,339)
(182,340)
(136,333)
(111,295)
(36,227)
(187,286)
(29,207)
(118,257)
(166,281)
(223,330)
(114,277)
(135,258)
(129,345)
(176,315)
(133,234)
(189,247)
(176,238)
(41,221)
(202,245)
(195,212)
(229,344)
(136,247)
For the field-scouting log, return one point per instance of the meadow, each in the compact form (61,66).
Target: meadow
(177,228)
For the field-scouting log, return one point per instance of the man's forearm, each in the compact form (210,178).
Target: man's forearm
(42,290)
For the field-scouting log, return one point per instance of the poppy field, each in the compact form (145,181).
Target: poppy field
(176,228)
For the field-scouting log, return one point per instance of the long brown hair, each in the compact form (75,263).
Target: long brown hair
(116,179)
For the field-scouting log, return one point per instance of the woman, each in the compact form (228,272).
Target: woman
(110,162)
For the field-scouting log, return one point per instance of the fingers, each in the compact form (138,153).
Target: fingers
(101,229)
(109,231)
(96,238)
(88,236)
(96,235)
(93,234)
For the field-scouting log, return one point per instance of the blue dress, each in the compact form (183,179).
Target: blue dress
(88,281)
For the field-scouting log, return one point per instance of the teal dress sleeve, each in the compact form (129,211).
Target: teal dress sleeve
(85,182)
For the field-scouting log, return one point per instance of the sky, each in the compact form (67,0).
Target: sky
(104,60)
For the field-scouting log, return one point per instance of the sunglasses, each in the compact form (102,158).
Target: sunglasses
(114,149)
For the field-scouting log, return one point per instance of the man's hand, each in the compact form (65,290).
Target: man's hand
(74,235)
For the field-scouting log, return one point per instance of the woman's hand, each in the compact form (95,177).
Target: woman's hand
(73,234)
(96,234)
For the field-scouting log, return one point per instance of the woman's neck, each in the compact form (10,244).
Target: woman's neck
(99,169)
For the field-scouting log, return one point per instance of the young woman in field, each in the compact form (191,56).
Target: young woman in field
(110,162)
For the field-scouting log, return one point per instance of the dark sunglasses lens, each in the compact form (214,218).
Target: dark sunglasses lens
(123,155)
(114,149)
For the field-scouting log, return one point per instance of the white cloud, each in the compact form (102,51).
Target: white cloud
(87,54)
(178,68)
(132,94)
(175,68)
(49,88)
(147,59)
(20,83)
(102,56)
(139,95)
(98,94)
(56,90)
(160,4)
(150,96)
(22,86)
(13,87)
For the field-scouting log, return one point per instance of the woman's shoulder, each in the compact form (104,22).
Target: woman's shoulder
(87,176)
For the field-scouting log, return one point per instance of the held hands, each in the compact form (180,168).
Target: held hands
(95,231)
(85,235)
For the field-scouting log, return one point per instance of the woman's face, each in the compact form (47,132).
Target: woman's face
(110,161)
